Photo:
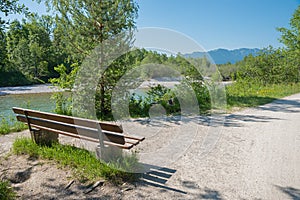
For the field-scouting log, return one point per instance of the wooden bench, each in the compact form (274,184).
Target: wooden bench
(86,129)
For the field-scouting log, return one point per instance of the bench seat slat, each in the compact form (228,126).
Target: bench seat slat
(82,131)
(134,137)
(68,119)
(124,146)
(130,141)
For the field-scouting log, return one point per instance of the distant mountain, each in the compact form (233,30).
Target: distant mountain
(222,56)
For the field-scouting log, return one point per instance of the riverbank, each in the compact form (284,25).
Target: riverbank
(28,89)
(48,88)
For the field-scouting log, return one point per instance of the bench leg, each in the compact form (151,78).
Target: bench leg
(108,153)
(42,137)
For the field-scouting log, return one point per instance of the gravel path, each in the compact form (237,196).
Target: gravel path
(257,156)
(6,141)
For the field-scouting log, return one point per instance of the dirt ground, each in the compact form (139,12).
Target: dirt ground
(41,179)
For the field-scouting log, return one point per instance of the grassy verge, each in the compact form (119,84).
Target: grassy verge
(251,95)
(6,192)
(84,164)
(9,126)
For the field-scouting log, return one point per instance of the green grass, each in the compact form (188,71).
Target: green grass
(12,125)
(251,95)
(84,164)
(6,192)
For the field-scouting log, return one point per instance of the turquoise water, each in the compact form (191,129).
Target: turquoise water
(40,101)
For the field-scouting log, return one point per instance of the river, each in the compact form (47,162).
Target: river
(37,101)
(38,97)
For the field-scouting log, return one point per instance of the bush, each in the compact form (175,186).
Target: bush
(6,192)
(13,78)
(188,94)
(8,126)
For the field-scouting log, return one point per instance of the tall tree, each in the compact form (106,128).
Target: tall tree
(291,39)
(85,24)
(2,49)
(28,46)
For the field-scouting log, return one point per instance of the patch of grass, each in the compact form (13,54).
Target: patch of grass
(84,164)
(6,192)
(251,94)
(247,101)
(4,127)
(12,125)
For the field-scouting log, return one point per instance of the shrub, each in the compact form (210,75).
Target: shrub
(6,192)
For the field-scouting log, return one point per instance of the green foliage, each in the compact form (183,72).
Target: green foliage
(139,106)
(63,104)
(28,48)
(11,6)
(3,51)
(6,191)
(67,76)
(84,164)
(4,127)
(11,125)
(8,7)
(204,65)
(290,37)
(31,49)
(65,80)
(87,23)
(228,71)
(13,78)
(271,66)
(187,94)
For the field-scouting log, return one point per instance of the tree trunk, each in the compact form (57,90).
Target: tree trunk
(102,97)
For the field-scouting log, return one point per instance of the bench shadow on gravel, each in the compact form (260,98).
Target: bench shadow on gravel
(293,193)
(158,177)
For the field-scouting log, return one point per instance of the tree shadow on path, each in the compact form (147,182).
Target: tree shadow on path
(282,105)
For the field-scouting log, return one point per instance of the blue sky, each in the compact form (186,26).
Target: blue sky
(226,24)
(215,24)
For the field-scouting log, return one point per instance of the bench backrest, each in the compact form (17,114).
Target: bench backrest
(71,126)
